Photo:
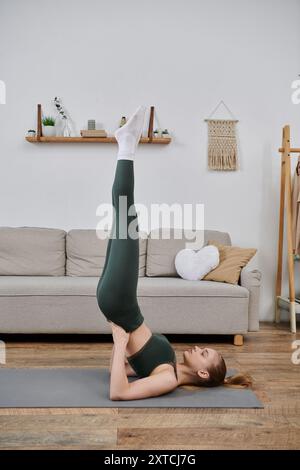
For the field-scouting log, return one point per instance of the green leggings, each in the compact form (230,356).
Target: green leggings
(117,286)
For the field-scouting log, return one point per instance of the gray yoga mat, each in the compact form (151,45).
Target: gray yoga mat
(89,388)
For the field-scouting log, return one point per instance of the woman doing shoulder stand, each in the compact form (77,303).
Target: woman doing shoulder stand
(138,351)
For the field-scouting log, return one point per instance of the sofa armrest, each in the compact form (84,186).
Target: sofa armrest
(250,279)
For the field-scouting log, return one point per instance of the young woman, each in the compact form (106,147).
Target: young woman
(149,356)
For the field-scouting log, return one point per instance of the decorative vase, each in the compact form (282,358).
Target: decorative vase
(66,130)
(49,131)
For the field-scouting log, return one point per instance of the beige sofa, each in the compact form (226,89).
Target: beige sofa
(48,281)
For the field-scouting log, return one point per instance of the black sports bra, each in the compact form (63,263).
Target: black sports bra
(157,350)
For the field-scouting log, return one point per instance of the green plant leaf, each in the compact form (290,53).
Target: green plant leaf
(48,121)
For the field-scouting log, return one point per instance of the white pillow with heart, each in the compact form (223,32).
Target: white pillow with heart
(194,265)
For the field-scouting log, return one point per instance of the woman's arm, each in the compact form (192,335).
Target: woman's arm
(120,388)
(118,377)
(128,369)
(151,386)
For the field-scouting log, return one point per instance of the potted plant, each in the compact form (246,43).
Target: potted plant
(48,126)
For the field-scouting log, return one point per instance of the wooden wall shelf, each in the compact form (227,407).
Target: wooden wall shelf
(102,140)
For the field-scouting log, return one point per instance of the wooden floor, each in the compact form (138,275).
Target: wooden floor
(265,355)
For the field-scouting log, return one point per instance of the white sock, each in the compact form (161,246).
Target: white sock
(128,136)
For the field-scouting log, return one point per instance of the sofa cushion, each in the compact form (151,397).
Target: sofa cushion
(147,287)
(86,252)
(32,251)
(44,285)
(177,287)
(194,265)
(232,260)
(161,251)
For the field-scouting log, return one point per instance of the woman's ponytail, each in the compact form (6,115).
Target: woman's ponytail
(239,381)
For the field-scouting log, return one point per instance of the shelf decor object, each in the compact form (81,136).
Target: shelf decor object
(150,139)
(63,115)
(91,124)
(48,126)
(88,133)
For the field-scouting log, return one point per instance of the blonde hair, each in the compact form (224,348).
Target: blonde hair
(239,381)
(217,377)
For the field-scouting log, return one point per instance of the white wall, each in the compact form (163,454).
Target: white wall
(104,58)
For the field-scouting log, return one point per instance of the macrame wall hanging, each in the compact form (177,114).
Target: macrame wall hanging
(222,142)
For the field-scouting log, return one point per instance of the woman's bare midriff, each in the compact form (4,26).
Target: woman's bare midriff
(137,339)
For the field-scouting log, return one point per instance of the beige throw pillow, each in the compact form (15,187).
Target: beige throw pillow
(232,260)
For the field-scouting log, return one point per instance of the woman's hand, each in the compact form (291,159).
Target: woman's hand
(120,336)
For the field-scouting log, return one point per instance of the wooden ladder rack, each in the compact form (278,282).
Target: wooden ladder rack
(286,152)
